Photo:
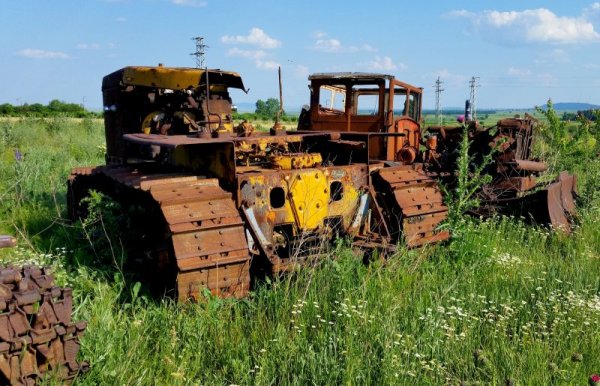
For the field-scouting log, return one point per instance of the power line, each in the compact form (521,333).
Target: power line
(438,92)
(199,54)
(473,85)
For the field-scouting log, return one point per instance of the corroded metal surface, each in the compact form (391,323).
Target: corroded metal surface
(514,187)
(204,198)
(204,235)
(414,198)
(7,241)
(37,334)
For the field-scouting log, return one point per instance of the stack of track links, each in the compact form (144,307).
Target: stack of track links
(36,332)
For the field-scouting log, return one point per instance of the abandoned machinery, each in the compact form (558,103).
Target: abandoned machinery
(210,205)
(514,187)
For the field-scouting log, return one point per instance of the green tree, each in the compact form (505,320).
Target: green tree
(267,108)
(7,109)
(261,107)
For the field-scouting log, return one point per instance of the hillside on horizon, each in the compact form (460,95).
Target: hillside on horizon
(574,106)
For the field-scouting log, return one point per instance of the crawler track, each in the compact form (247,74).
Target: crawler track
(408,194)
(36,331)
(204,236)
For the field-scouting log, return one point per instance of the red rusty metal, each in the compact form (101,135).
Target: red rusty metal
(36,331)
(7,241)
(213,199)
(514,172)
(413,197)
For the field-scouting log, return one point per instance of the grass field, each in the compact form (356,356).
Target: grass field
(502,302)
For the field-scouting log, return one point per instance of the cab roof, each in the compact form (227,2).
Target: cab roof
(175,78)
(350,75)
(361,77)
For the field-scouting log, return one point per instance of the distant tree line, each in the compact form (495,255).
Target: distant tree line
(590,115)
(266,111)
(52,109)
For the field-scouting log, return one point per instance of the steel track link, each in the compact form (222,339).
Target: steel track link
(37,334)
(416,200)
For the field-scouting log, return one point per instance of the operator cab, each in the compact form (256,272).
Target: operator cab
(377,104)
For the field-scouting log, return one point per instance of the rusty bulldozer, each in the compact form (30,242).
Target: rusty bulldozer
(222,202)
(212,204)
(514,188)
(37,335)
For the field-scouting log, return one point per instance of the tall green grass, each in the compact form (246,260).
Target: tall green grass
(502,302)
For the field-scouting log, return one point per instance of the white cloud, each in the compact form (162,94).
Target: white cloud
(319,35)
(592,9)
(531,25)
(591,66)
(259,57)
(323,43)
(256,37)
(328,45)
(385,64)
(546,79)
(556,55)
(459,13)
(34,53)
(86,46)
(450,78)
(301,71)
(121,19)
(518,72)
(267,64)
(526,76)
(249,54)
(190,3)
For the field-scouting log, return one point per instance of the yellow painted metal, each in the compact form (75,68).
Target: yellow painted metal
(263,142)
(308,201)
(146,123)
(309,198)
(296,161)
(346,206)
(168,77)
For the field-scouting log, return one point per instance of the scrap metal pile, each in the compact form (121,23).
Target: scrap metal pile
(37,335)
(514,188)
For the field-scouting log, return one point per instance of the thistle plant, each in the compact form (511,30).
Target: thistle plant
(470,178)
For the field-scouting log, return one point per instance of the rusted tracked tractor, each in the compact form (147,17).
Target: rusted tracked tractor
(514,188)
(37,335)
(211,205)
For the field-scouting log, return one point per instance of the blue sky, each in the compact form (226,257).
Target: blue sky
(522,52)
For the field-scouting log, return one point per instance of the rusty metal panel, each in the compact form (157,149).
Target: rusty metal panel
(199,211)
(415,199)
(7,241)
(206,243)
(32,328)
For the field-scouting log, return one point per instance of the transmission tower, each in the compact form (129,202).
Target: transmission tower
(473,84)
(199,54)
(438,107)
